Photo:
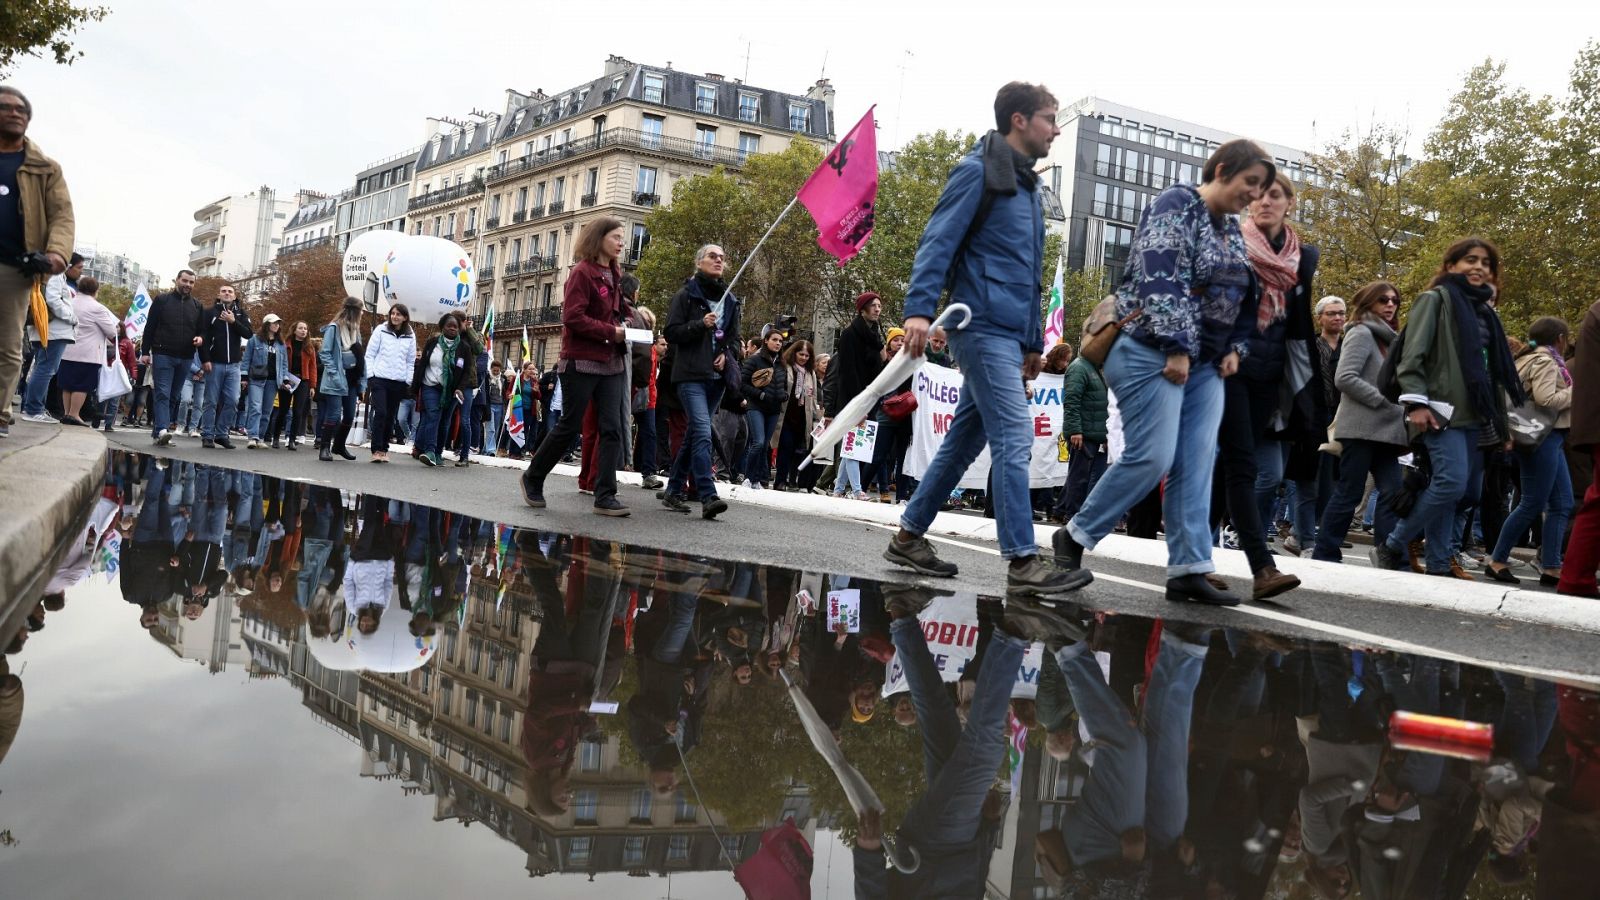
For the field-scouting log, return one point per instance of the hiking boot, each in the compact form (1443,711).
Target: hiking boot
(1385,557)
(1269,582)
(1055,626)
(611,506)
(918,555)
(674,503)
(1459,572)
(713,507)
(1069,553)
(904,601)
(227,444)
(1218,582)
(650,483)
(1039,578)
(1194,588)
(532,491)
(1418,560)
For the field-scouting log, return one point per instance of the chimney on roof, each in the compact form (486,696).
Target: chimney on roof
(616,65)
(712,76)
(823,90)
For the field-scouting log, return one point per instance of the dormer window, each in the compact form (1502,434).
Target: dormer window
(799,116)
(749,107)
(654,88)
(705,98)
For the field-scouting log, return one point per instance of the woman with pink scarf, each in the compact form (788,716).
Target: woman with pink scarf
(1546,483)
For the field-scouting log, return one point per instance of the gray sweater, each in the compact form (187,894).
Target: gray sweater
(1364,414)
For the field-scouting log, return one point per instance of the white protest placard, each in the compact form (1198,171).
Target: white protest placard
(844,607)
(859,441)
(950,626)
(938,391)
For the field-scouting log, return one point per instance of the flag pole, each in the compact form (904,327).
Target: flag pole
(752,254)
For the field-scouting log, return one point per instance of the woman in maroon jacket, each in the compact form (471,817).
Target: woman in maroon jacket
(592,366)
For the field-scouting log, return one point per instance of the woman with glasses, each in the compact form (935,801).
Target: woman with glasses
(1370,430)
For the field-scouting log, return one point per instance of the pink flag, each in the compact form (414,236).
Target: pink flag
(841,193)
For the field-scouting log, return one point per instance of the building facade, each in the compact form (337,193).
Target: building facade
(614,145)
(118,270)
(312,225)
(1112,160)
(378,199)
(240,233)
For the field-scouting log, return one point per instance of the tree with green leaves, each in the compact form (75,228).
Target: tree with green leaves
(1365,220)
(42,27)
(115,298)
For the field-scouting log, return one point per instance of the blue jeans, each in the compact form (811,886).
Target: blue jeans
(491,429)
(1140,775)
(959,763)
(993,410)
(1547,487)
(407,417)
(258,407)
(467,437)
(168,374)
(334,412)
(1084,470)
(46,360)
(849,476)
(1158,417)
(761,424)
(1272,458)
(222,400)
(700,399)
(426,438)
(1357,459)
(1456,465)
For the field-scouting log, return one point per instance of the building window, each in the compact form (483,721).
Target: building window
(511,299)
(732,845)
(494,207)
(565,137)
(678,848)
(749,107)
(578,851)
(705,140)
(516,251)
(522,199)
(684,810)
(471,712)
(589,753)
(653,88)
(559,195)
(586,807)
(538,357)
(488,257)
(639,807)
(633,851)
(799,116)
(646,183)
(545,302)
(641,240)
(533,246)
(748,144)
(616,83)
(591,182)
(500,158)
(705,99)
(599,125)
(550,245)
(650,132)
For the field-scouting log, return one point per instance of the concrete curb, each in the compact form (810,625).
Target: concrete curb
(46,488)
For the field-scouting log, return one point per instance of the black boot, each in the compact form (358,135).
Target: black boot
(338,442)
(325,443)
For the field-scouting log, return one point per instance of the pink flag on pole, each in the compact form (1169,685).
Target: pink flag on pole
(841,193)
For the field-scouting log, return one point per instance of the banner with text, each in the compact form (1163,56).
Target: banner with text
(950,625)
(939,389)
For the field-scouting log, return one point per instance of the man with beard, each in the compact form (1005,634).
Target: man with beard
(171,334)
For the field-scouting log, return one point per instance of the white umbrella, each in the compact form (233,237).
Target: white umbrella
(897,370)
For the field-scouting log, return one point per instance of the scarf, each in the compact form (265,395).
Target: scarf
(1485,358)
(1004,169)
(1561,365)
(447,357)
(714,288)
(1278,270)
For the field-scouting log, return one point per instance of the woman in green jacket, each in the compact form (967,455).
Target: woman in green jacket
(1454,372)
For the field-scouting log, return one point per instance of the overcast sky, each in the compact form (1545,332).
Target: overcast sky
(177,104)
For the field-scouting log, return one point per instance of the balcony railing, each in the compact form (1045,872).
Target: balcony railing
(513,318)
(512,267)
(445,195)
(548,315)
(200,253)
(520,215)
(624,138)
(558,206)
(291,249)
(211,227)
(469,233)
(1122,213)
(486,273)
(588,200)
(644,199)
(491,223)
(536,212)
(450,237)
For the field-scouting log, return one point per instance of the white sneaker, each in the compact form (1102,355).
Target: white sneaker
(750,485)
(253,445)
(164,438)
(41,418)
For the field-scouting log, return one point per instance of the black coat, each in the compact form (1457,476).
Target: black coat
(857,359)
(696,345)
(770,398)
(219,339)
(175,321)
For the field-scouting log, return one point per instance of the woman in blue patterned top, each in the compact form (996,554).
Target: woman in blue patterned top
(1188,277)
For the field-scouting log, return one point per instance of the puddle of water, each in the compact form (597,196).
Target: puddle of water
(257,687)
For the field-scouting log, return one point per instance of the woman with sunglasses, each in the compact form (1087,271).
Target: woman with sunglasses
(1370,430)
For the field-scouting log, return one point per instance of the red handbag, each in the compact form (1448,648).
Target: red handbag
(899,407)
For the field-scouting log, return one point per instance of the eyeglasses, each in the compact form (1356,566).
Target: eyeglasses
(715,256)
(13,108)
(1390,300)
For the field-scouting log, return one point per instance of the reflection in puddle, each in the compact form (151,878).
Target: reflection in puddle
(613,710)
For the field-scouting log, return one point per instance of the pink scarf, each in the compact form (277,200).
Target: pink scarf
(1278,270)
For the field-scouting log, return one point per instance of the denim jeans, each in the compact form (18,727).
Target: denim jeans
(467,437)
(1301,497)
(168,374)
(335,412)
(993,409)
(1084,470)
(849,476)
(46,360)
(1526,718)
(1140,774)
(407,418)
(1547,487)
(258,407)
(491,429)
(426,437)
(222,400)
(1456,464)
(1159,417)
(1358,459)
(959,762)
(700,399)
(761,424)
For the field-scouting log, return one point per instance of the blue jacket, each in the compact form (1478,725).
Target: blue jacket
(999,274)
(254,364)
(333,382)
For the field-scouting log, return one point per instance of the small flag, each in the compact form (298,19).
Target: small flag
(138,312)
(1016,749)
(842,193)
(488,331)
(516,425)
(1055,313)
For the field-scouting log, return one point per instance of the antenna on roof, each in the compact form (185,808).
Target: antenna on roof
(824,65)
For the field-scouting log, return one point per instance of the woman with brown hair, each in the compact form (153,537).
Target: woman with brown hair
(302,359)
(1454,373)
(1369,428)
(799,413)
(593,364)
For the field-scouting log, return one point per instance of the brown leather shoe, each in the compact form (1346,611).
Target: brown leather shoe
(1414,552)
(1457,571)
(1217,581)
(1269,582)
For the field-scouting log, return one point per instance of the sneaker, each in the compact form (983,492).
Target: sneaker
(5,431)
(187,432)
(164,438)
(1032,620)
(533,491)
(751,485)
(587,491)
(651,483)
(904,601)
(208,443)
(611,506)
(918,555)
(1069,553)
(41,418)
(1385,557)
(253,445)
(715,506)
(225,443)
(674,503)
(864,496)
(427,460)
(463,463)
(1291,545)
(1044,579)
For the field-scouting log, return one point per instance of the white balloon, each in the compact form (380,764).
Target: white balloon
(366,255)
(430,275)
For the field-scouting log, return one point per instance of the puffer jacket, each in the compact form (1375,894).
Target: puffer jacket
(59,297)
(770,397)
(1084,404)
(390,355)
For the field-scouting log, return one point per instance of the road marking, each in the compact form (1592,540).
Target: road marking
(1353,635)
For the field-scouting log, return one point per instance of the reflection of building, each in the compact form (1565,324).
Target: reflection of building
(268,646)
(329,694)
(214,639)
(1111,161)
